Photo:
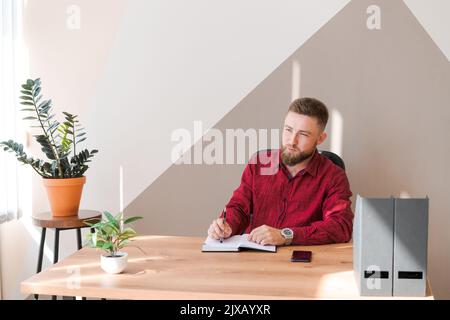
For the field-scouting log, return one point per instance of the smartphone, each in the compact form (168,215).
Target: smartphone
(301,256)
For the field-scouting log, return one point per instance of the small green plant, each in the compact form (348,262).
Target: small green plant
(110,234)
(58,140)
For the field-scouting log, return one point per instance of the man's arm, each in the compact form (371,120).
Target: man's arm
(337,223)
(241,203)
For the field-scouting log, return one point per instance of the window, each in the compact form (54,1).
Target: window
(12,66)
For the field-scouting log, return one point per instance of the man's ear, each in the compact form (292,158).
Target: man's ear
(322,137)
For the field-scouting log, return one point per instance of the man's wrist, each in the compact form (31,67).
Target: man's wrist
(288,235)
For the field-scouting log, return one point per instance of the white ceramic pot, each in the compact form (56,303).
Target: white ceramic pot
(114,264)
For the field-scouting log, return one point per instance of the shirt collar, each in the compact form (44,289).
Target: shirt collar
(311,168)
(313,165)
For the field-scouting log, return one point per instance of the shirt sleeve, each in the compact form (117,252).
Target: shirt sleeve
(241,203)
(337,223)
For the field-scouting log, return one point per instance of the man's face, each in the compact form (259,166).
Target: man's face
(301,136)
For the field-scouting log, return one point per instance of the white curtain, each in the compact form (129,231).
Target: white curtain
(12,69)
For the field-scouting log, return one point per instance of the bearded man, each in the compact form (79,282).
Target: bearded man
(305,201)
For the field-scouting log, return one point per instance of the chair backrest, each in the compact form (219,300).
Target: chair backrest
(334,158)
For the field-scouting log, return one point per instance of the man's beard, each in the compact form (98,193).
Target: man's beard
(291,158)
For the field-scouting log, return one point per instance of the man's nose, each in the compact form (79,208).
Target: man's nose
(293,140)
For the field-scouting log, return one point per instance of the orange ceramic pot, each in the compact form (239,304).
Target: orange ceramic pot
(64,195)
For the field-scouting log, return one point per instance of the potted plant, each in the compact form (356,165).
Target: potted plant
(111,236)
(63,175)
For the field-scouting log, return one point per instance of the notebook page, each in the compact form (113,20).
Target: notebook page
(232,242)
(244,243)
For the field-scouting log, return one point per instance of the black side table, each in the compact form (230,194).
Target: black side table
(46,220)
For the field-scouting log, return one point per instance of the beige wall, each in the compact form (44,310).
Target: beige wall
(137,70)
(125,68)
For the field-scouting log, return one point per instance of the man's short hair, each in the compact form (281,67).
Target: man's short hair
(312,108)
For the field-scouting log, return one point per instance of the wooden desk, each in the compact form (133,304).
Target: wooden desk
(175,268)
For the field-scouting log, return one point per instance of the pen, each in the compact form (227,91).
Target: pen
(224,220)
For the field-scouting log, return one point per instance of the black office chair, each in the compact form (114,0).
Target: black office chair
(334,158)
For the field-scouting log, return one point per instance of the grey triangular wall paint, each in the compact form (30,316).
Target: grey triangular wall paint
(390,87)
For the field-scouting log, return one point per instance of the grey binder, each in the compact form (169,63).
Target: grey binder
(373,245)
(410,247)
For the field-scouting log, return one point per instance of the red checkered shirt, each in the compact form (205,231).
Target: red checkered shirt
(315,203)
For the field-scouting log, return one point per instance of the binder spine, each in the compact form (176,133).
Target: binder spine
(410,247)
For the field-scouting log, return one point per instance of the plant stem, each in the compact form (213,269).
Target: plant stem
(39,173)
(55,153)
(58,160)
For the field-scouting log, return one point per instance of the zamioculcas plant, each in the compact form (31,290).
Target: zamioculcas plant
(58,140)
(65,166)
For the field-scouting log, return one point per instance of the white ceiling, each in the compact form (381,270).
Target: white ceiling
(433,16)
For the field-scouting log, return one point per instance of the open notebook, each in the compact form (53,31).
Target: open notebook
(235,243)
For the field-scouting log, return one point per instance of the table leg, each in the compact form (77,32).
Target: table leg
(92,231)
(79,239)
(41,254)
(55,251)
(79,247)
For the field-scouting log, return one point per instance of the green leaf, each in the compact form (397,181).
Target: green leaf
(27,103)
(111,219)
(128,234)
(123,244)
(44,103)
(36,92)
(131,219)
(26,98)
(88,223)
(30,118)
(107,246)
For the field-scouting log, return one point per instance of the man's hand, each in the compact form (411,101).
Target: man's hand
(266,235)
(219,228)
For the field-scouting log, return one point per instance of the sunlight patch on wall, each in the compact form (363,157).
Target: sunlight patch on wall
(337,127)
(295,91)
